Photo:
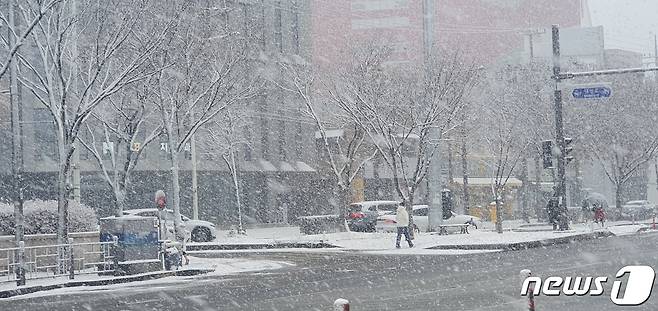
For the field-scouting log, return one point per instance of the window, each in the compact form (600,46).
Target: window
(388,207)
(299,141)
(295,27)
(282,138)
(44,135)
(148,214)
(278,35)
(423,211)
(262,24)
(247,147)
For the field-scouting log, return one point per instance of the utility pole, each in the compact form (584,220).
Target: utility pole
(559,133)
(655,56)
(17,147)
(465,192)
(434,180)
(75,157)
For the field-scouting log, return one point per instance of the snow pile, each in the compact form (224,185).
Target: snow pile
(41,217)
(627,230)
(225,266)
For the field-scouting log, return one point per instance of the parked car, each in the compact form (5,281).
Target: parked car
(199,230)
(362,216)
(386,223)
(639,209)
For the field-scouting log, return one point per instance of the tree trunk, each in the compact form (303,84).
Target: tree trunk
(62,215)
(499,212)
(538,202)
(63,198)
(179,233)
(120,198)
(344,199)
(618,197)
(525,193)
(236,188)
(409,206)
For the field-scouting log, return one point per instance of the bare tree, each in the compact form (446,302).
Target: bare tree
(620,134)
(126,129)
(72,82)
(222,139)
(399,108)
(347,152)
(208,70)
(506,131)
(31,13)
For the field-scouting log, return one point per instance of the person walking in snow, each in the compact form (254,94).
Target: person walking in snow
(599,216)
(402,220)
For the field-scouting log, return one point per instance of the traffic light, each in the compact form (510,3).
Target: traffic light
(568,148)
(547,153)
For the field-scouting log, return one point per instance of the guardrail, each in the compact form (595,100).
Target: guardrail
(23,263)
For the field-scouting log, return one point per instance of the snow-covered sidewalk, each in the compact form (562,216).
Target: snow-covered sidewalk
(483,239)
(198,265)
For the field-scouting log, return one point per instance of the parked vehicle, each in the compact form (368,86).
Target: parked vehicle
(362,216)
(200,230)
(386,222)
(638,209)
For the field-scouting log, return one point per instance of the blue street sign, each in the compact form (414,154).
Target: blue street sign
(591,92)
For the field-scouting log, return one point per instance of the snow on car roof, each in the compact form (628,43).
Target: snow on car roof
(139,210)
(370,203)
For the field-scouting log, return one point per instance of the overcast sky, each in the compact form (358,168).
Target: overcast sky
(628,24)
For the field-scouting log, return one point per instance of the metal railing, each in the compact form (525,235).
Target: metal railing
(50,261)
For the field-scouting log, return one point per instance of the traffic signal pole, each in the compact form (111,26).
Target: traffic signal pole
(558,76)
(561,188)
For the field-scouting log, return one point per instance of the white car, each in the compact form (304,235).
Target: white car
(386,223)
(199,230)
(639,209)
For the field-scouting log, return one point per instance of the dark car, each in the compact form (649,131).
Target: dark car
(362,216)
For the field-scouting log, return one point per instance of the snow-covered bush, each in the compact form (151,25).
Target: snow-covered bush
(41,218)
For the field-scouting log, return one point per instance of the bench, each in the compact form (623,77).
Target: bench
(463,228)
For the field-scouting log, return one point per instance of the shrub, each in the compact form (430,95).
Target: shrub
(41,218)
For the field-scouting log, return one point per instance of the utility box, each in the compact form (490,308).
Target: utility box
(138,248)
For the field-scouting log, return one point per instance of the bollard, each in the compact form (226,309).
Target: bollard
(524,274)
(341,305)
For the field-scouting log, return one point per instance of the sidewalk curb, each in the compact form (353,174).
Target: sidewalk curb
(528,244)
(124,279)
(238,246)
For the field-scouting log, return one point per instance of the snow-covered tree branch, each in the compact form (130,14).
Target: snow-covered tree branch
(85,52)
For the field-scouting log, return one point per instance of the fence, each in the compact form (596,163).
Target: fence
(48,261)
